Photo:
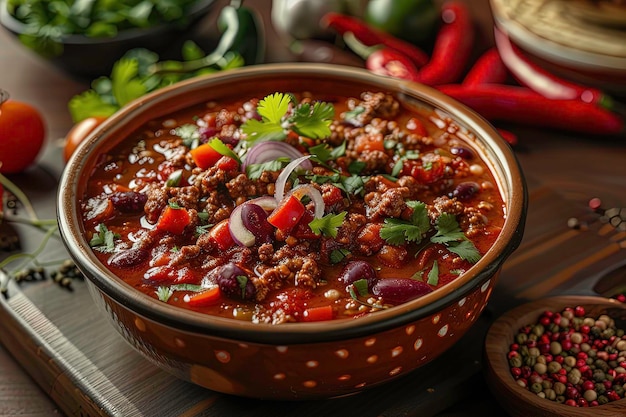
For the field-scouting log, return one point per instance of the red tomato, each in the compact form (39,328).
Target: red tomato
(78,133)
(22,134)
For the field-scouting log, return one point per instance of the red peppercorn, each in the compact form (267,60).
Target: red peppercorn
(512,354)
(584,329)
(588,385)
(580,363)
(612,395)
(545,321)
(570,402)
(581,402)
(594,403)
(582,355)
(559,359)
(566,345)
(571,392)
(516,372)
(579,311)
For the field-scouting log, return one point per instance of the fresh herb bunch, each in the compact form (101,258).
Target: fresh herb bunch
(134,75)
(47,21)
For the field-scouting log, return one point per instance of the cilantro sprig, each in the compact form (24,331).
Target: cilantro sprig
(327,225)
(446,231)
(280,114)
(104,239)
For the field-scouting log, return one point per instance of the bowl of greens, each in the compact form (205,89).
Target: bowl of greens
(86,38)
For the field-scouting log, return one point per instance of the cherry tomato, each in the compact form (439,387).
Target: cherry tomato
(78,133)
(22,134)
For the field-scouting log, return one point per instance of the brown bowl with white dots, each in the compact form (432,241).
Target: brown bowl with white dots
(294,360)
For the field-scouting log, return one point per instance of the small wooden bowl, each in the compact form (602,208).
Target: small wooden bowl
(519,401)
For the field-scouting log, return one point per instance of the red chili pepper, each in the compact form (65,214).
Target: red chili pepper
(542,81)
(522,105)
(372,36)
(488,68)
(452,48)
(508,136)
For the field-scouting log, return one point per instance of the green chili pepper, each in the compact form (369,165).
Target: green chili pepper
(412,20)
(241,33)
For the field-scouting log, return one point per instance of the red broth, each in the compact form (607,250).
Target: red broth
(392,204)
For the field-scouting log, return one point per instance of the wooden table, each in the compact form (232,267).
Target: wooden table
(563,171)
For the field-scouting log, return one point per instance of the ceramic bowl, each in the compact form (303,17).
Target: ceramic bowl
(519,401)
(87,57)
(292,360)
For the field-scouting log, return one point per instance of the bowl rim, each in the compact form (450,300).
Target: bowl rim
(196,10)
(116,289)
(496,345)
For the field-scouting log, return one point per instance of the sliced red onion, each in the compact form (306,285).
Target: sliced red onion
(279,192)
(241,235)
(236,225)
(314,194)
(270,151)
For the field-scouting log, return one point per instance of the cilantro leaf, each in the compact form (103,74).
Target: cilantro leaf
(313,123)
(222,149)
(189,133)
(273,107)
(398,231)
(466,250)
(338,255)
(254,171)
(164,293)
(450,234)
(433,274)
(327,225)
(104,240)
(90,103)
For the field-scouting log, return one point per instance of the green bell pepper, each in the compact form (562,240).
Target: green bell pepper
(415,21)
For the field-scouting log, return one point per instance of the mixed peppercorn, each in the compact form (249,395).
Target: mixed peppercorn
(571,358)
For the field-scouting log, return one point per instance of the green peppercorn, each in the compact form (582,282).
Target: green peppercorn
(560,399)
(521,338)
(540,368)
(549,394)
(516,361)
(559,388)
(529,361)
(536,387)
(538,329)
(619,390)
(603,399)
(554,367)
(598,375)
(555,348)
(574,376)
(569,361)
(590,395)
(599,387)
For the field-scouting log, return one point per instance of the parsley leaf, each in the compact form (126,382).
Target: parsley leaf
(327,225)
(104,240)
(125,86)
(254,171)
(313,123)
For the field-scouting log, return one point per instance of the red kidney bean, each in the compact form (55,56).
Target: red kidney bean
(254,218)
(372,36)
(234,282)
(356,270)
(463,152)
(128,201)
(129,257)
(522,105)
(488,68)
(465,190)
(400,290)
(452,48)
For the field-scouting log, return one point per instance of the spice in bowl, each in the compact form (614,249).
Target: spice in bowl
(571,357)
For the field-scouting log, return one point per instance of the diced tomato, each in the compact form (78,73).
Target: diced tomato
(186,275)
(220,235)
(288,214)
(321,313)
(392,256)
(205,156)
(226,163)
(426,173)
(302,230)
(205,298)
(332,195)
(173,220)
(369,143)
(369,236)
(160,274)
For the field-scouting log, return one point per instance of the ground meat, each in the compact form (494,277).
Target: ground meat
(186,197)
(349,228)
(390,203)
(374,105)
(445,204)
(375,161)
(184,254)
(472,221)
(157,201)
(242,188)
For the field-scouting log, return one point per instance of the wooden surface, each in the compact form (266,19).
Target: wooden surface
(563,170)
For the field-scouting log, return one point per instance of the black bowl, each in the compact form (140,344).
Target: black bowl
(88,57)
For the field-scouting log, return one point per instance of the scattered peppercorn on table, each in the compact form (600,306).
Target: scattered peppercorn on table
(58,356)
